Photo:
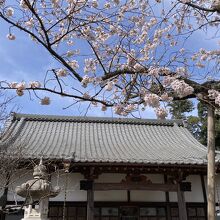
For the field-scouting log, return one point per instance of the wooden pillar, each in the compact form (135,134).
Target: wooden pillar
(90,203)
(167,200)
(211,163)
(181,204)
(128,195)
(203,189)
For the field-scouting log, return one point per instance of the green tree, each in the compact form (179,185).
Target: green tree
(197,125)
(202,115)
(194,126)
(179,108)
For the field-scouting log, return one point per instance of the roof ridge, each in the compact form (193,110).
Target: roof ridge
(36,117)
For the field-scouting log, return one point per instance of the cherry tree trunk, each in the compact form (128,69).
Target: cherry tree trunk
(211,163)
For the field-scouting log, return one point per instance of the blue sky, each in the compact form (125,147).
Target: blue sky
(25,60)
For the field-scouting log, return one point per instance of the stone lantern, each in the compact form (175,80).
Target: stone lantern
(216,5)
(37,193)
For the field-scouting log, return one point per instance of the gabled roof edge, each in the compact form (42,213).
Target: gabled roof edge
(35,117)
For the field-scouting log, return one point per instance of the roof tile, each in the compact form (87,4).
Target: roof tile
(92,139)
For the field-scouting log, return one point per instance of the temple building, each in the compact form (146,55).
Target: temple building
(110,168)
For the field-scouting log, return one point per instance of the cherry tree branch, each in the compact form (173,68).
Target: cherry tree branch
(48,47)
(199,7)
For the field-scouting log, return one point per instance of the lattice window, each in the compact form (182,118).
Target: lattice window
(194,213)
(152,213)
(71,213)
(124,213)
(109,213)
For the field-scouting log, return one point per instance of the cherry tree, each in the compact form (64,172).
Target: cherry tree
(123,54)
(134,52)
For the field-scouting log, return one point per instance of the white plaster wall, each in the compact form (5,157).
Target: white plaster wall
(73,192)
(70,185)
(112,195)
(110,178)
(147,196)
(196,195)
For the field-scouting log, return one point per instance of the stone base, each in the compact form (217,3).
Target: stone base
(37,212)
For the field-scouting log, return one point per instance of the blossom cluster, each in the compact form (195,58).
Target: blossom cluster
(161,113)
(90,65)
(9,12)
(45,101)
(152,100)
(124,109)
(205,55)
(126,40)
(214,95)
(11,36)
(20,87)
(182,71)
(87,79)
(109,86)
(157,71)
(73,64)
(61,72)
(181,88)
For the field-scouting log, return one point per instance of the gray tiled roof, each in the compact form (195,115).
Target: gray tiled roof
(92,139)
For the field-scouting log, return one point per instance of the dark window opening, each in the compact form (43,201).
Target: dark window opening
(117,212)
